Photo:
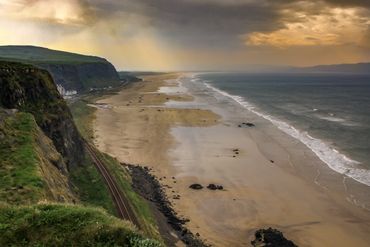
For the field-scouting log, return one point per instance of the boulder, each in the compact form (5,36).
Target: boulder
(196,186)
(271,237)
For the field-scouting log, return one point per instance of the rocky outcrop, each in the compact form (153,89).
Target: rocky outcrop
(33,90)
(271,237)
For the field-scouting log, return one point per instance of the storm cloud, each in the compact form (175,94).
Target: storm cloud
(198,33)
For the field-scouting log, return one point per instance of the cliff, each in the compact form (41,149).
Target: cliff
(72,72)
(30,165)
(83,77)
(33,90)
(43,163)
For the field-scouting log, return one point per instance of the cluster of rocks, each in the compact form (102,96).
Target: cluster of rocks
(246,125)
(236,152)
(271,237)
(210,187)
(215,187)
(148,186)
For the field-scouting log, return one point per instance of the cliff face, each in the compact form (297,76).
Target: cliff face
(83,77)
(33,90)
(74,72)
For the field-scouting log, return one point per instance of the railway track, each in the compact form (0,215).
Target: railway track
(122,205)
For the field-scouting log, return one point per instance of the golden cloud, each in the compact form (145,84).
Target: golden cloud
(335,26)
(71,12)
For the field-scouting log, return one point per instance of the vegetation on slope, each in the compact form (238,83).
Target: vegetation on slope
(140,206)
(65,225)
(32,170)
(84,116)
(29,163)
(90,187)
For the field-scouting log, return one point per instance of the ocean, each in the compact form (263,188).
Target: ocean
(329,113)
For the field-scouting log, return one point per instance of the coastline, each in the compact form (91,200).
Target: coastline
(180,134)
(336,160)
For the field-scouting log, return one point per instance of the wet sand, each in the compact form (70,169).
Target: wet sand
(161,125)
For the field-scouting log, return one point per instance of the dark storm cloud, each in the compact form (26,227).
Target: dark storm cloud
(199,22)
(180,34)
(351,3)
(216,22)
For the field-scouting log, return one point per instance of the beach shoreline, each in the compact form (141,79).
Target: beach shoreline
(271,180)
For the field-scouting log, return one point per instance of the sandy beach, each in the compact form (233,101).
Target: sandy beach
(269,178)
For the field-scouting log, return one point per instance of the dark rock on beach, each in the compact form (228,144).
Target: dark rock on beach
(246,125)
(196,186)
(271,237)
(215,187)
(249,124)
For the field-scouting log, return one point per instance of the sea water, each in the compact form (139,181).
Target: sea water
(329,113)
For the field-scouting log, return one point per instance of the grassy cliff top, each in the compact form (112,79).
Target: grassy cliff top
(28,162)
(34,54)
(66,225)
(20,181)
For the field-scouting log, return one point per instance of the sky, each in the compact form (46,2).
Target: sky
(194,34)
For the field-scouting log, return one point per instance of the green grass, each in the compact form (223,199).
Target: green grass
(20,181)
(140,206)
(65,225)
(83,116)
(90,187)
(35,54)
(89,184)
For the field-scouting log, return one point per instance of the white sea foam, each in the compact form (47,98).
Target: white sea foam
(341,121)
(331,118)
(177,89)
(333,158)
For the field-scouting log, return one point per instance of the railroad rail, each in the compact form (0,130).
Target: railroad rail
(122,205)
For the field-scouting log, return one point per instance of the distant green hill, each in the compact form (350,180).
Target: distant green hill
(72,72)
(36,54)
